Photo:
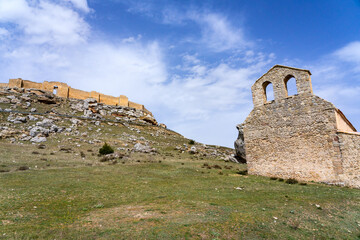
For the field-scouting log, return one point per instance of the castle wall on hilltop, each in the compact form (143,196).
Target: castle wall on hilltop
(300,136)
(63,90)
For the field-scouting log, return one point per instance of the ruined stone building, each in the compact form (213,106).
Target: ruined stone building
(63,90)
(301,136)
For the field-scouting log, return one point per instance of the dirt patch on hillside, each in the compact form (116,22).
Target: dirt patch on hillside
(145,215)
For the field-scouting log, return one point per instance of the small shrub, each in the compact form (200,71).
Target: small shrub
(273,178)
(34,152)
(106,149)
(23,168)
(217,167)
(303,183)
(291,181)
(243,172)
(281,179)
(41,146)
(82,154)
(191,142)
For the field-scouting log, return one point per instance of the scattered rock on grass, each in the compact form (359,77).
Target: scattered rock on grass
(138,147)
(112,157)
(38,139)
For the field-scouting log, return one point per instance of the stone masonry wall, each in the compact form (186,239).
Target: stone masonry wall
(292,138)
(278,77)
(65,91)
(349,144)
(300,136)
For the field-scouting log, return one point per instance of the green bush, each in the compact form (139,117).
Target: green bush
(243,172)
(106,149)
(191,142)
(291,181)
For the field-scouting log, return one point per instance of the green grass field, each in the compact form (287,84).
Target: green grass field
(169,195)
(176,198)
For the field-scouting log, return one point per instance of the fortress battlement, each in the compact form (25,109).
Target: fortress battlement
(65,91)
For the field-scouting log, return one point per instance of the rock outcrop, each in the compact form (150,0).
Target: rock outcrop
(239,145)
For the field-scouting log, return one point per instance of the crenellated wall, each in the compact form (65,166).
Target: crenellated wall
(63,90)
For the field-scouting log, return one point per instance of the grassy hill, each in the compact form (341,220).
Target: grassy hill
(168,188)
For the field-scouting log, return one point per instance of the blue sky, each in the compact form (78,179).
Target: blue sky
(192,63)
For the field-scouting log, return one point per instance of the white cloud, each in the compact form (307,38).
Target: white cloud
(3,33)
(349,53)
(219,34)
(336,79)
(43,22)
(204,102)
(80,4)
(111,68)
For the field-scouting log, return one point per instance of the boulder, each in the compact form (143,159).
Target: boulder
(240,145)
(11,97)
(38,139)
(75,121)
(103,112)
(47,99)
(20,120)
(35,131)
(88,113)
(138,147)
(15,101)
(32,118)
(193,150)
(6,133)
(150,119)
(78,107)
(230,158)
(4,100)
(45,123)
(89,102)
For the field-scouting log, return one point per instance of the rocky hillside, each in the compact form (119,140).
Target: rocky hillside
(32,117)
(156,185)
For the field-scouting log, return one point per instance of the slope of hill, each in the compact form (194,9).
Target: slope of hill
(157,184)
